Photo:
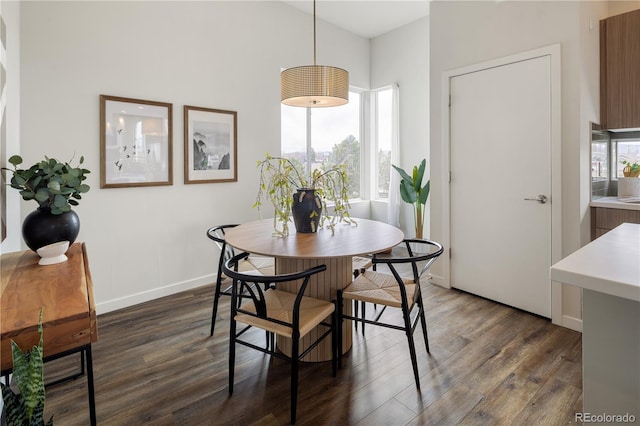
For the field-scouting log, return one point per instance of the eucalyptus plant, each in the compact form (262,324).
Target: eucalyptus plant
(53,185)
(280,180)
(413,192)
(26,408)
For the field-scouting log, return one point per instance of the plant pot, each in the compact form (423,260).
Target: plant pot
(628,187)
(41,228)
(306,210)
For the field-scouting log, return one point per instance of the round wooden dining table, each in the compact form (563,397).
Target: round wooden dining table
(300,251)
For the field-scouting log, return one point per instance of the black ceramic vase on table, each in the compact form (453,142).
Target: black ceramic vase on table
(306,210)
(41,228)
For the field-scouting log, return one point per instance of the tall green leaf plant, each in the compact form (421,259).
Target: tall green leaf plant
(413,192)
(26,408)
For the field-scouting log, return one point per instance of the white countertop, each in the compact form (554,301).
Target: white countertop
(610,264)
(615,203)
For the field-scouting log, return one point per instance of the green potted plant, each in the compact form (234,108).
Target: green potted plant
(306,198)
(629,185)
(55,186)
(413,192)
(630,169)
(26,408)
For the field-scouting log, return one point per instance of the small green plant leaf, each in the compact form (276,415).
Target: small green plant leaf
(27,195)
(15,160)
(59,200)
(18,180)
(53,185)
(42,195)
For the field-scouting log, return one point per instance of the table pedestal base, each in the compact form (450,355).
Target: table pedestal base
(324,285)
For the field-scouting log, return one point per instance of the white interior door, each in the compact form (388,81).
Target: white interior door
(500,155)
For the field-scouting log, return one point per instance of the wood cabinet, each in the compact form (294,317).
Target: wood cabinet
(604,219)
(620,71)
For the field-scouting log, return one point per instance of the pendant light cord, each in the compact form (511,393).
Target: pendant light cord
(314,32)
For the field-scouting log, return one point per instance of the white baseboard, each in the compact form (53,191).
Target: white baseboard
(571,323)
(145,296)
(438,280)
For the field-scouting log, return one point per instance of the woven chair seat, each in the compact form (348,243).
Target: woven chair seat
(257,265)
(380,288)
(361,262)
(280,307)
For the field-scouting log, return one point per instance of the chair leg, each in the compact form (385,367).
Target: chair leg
(364,314)
(232,353)
(340,319)
(355,302)
(294,379)
(355,312)
(334,340)
(216,299)
(412,346)
(271,341)
(423,322)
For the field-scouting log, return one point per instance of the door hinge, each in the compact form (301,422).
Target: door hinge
(449,177)
(449,100)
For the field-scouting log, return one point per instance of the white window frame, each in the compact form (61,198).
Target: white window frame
(373,158)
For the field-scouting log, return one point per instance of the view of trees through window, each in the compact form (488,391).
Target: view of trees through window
(383,115)
(320,138)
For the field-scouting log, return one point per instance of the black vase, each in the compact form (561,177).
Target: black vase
(306,210)
(41,228)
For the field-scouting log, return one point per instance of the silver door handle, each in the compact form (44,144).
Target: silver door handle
(542,199)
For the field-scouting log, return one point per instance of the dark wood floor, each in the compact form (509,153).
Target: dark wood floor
(155,364)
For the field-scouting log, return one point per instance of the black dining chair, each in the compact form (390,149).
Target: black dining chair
(279,312)
(253,264)
(359,265)
(393,290)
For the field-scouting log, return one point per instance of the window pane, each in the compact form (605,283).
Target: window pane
(599,161)
(626,151)
(383,133)
(335,139)
(293,128)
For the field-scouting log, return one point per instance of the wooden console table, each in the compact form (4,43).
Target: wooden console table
(64,292)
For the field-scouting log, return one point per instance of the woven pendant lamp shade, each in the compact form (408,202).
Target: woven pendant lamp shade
(314,86)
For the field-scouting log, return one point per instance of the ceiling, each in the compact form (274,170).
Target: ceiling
(366,18)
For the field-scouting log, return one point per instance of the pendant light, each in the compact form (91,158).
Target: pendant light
(313,86)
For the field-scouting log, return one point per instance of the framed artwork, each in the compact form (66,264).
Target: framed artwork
(135,142)
(210,145)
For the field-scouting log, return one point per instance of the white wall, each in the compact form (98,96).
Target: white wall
(11,15)
(148,242)
(402,56)
(618,7)
(464,33)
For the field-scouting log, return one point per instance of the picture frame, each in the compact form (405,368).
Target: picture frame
(210,145)
(136,139)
